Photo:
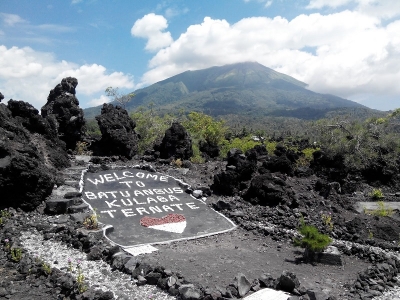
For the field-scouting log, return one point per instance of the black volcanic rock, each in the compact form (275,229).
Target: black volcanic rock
(46,138)
(26,178)
(208,149)
(118,132)
(176,143)
(270,190)
(63,104)
(239,169)
(1,96)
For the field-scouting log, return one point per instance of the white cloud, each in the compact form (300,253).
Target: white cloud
(151,27)
(385,9)
(99,101)
(353,53)
(11,19)
(327,3)
(29,75)
(268,3)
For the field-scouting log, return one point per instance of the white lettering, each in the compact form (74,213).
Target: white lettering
(140,184)
(118,178)
(164,178)
(128,174)
(102,194)
(178,190)
(155,209)
(136,192)
(166,207)
(177,205)
(149,199)
(126,194)
(172,198)
(112,193)
(108,177)
(109,212)
(140,175)
(110,205)
(90,195)
(159,191)
(141,210)
(128,212)
(191,205)
(96,181)
(129,202)
(169,191)
(162,199)
(151,176)
(127,183)
(138,203)
(148,192)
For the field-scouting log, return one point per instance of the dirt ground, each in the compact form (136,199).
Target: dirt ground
(216,260)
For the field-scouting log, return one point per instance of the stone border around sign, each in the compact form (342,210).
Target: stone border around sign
(107,227)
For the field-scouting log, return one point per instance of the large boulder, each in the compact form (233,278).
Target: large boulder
(26,177)
(63,104)
(45,135)
(118,132)
(239,169)
(270,190)
(176,143)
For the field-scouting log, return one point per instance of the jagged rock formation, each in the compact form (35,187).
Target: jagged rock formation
(44,133)
(63,104)
(118,132)
(239,169)
(27,175)
(1,97)
(176,143)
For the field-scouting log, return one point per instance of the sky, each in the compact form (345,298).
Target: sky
(348,48)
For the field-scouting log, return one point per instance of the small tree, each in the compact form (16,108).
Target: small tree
(312,240)
(118,97)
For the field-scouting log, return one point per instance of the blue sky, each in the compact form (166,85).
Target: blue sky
(349,48)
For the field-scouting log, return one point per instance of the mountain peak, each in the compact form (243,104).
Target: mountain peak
(246,88)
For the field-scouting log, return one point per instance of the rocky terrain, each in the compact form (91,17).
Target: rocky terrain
(265,194)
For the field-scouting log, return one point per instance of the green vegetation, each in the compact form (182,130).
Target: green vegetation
(360,143)
(4,215)
(80,279)
(16,254)
(92,128)
(116,96)
(82,148)
(381,211)
(327,220)
(312,240)
(376,194)
(204,128)
(243,144)
(91,221)
(150,126)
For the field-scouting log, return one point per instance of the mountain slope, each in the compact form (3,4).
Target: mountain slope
(243,88)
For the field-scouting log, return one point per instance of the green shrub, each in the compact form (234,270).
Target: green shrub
(196,158)
(312,240)
(16,254)
(306,157)
(376,194)
(92,128)
(271,146)
(150,127)
(243,144)
(202,127)
(382,210)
